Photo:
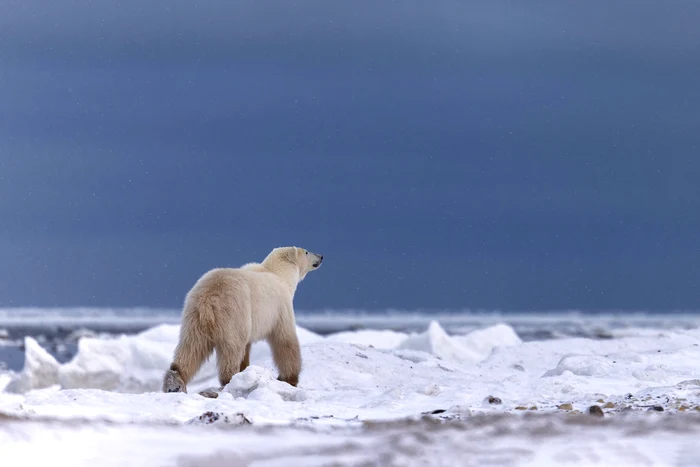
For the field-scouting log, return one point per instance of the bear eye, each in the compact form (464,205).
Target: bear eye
(306,252)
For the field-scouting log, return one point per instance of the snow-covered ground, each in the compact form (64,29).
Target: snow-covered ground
(369,397)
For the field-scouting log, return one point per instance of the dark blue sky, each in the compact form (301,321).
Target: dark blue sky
(446,154)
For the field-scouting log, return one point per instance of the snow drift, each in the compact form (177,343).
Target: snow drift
(371,376)
(357,381)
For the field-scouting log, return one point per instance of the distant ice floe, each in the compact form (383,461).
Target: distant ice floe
(55,323)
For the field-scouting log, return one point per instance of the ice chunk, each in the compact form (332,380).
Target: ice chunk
(470,349)
(40,369)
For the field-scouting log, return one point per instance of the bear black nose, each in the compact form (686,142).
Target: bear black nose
(321,257)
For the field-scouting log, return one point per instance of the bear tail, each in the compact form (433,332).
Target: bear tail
(204,319)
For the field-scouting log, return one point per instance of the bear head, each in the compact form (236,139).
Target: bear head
(304,260)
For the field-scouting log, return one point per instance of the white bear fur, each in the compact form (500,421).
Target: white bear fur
(230,308)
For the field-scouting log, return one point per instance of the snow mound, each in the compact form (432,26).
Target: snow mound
(484,341)
(40,369)
(470,349)
(583,365)
(130,364)
(257,383)
(645,366)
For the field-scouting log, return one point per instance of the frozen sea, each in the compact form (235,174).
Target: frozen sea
(81,386)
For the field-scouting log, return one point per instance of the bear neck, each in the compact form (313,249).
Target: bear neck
(288,273)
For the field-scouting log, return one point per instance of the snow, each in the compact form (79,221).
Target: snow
(497,440)
(426,398)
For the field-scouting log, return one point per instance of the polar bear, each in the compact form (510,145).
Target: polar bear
(230,308)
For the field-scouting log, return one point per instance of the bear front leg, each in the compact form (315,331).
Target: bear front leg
(287,356)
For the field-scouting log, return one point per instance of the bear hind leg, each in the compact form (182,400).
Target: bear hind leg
(190,354)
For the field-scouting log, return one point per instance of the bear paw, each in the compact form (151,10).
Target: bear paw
(172,382)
